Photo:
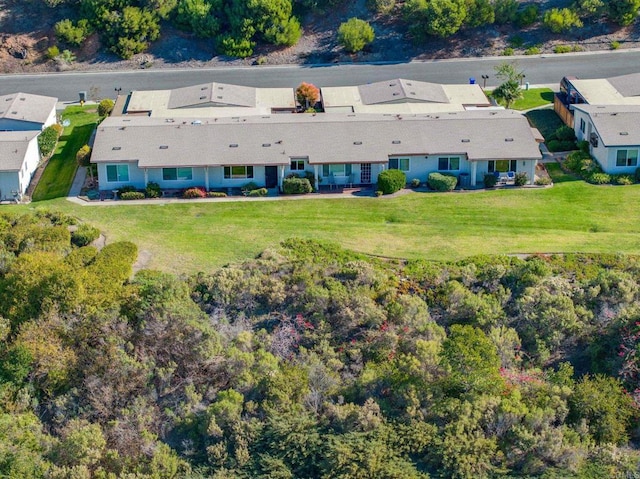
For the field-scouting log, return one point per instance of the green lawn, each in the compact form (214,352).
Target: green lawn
(533,98)
(546,121)
(573,216)
(61,169)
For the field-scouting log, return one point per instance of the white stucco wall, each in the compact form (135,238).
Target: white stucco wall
(30,165)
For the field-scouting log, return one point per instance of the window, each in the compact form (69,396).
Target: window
(501,166)
(401,164)
(449,163)
(238,172)
(338,169)
(177,174)
(582,125)
(627,158)
(297,164)
(117,173)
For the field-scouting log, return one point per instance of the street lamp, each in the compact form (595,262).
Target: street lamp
(484,80)
(522,78)
(117,90)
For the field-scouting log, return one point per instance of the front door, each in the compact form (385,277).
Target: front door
(271,176)
(365,173)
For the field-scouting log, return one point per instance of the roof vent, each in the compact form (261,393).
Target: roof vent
(266,145)
(122,128)
(395,93)
(392,84)
(412,93)
(357,143)
(164,147)
(233,145)
(409,83)
(170,120)
(8,99)
(117,148)
(204,97)
(219,97)
(22,99)
(508,139)
(466,140)
(14,112)
(396,142)
(126,120)
(624,133)
(204,88)
(220,88)
(614,114)
(196,122)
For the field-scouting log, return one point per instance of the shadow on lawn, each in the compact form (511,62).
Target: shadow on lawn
(61,168)
(558,176)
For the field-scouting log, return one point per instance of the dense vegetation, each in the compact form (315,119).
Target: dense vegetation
(235,26)
(313,362)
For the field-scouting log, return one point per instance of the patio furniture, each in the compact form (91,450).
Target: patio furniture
(511,176)
(332,181)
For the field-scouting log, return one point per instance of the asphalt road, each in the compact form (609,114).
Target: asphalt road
(545,69)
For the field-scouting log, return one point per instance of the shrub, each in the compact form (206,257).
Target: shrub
(53,52)
(249,187)
(355,34)
(83,156)
(259,192)
(565,133)
(235,47)
(490,180)
(507,52)
(543,181)
(527,16)
(521,179)
(105,107)
(614,45)
(562,49)
(560,20)
(127,189)
(194,193)
(47,140)
(583,146)
(67,56)
(415,183)
(442,182)
(85,234)
(599,178)
(216,194)
(505,11)
(152,190)
(307,94)
(379,193)
(296,186)
(532,51)
(622,179)
(516,41)
(58,128)
(132,195)
(381,6)
(72,34)
(390,181)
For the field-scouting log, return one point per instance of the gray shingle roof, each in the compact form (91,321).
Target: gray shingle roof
(27,107)
(402,90)
(13,147)
(627,85)
(213,93)
(617,125)
(323,138)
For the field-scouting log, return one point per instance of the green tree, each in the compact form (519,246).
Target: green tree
(505,11)
(480,12)
(623,12)
(355,34)
(163,8)
(591,8)
(199,16)
(73,34)
(441,18)
(560,20)
(129,31)
(605,407)
(507,92)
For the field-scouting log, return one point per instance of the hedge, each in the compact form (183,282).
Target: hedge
(296,186)
(442,182)
(258,192)
(216,194)
(194,193)
(132,195)
(390,181)
(47,140)
(490,180)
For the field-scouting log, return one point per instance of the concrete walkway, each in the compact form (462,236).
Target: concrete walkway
(78,182)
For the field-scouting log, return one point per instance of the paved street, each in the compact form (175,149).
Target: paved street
(538,70)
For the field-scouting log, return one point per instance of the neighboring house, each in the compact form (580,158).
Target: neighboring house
(209,100)
(26,112)
(403,96)
(336,148)
(613,133)
(22,117)
(620,90)
(19,158)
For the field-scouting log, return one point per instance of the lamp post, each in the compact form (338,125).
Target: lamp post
(484,80)
(522,77)
(117,90)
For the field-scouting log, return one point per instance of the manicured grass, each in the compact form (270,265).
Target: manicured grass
(573,216)
(61,169)
(534,98)
(546,121)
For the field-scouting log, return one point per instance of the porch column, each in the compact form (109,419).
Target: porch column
(532,171)
(146,177)
(281,176)
(206,178)
(315,175)
(474,172)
